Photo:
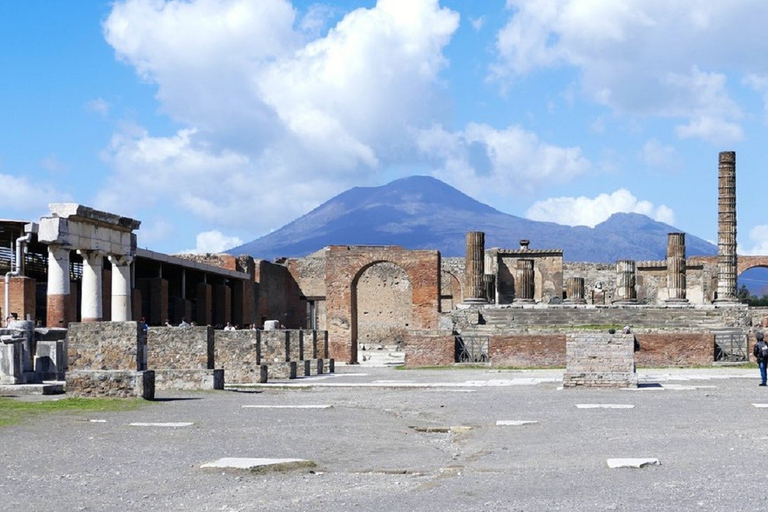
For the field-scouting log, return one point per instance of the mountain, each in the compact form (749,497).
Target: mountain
(421,212)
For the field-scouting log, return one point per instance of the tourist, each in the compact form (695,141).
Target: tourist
(143,324)
(230,327)
(184,324)
(761,354)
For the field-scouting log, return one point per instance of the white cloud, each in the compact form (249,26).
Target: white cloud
(275,122)
(214,242)
(585,211)
(639,57)
(477,23)
(758,235)
(99,106)
(24,198)
(53,164)
(512,159)
(660,156)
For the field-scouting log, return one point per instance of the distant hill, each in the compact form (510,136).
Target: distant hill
(421,212)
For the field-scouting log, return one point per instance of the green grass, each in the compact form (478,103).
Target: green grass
(13,411)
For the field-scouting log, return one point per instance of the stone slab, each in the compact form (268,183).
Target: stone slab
(632,463)
(287,406)
(248,463)
(32,389)
(166,424)
(515,423)
(605,406)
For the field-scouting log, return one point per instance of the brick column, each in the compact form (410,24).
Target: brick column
(726,228)
(121,288)
(676,267)
(90,302)
(58,292)
(474,288)
(625,282)
(524,283)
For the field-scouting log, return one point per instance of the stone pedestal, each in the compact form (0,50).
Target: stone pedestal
(600,360)
(11,366)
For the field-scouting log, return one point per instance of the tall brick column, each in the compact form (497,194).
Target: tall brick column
(726,228)
(676,267)
(574,290)
(475,268)
(58,288)
(625,282)
(90,305)
(524,283)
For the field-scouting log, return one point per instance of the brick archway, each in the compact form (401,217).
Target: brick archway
(745,263)
(344,264)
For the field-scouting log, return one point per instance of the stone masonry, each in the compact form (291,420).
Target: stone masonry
(601,360)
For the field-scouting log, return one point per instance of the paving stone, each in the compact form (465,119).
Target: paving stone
(287,406)
(248,463)
(169,424)
(632,463)
(605,406)
(515,423)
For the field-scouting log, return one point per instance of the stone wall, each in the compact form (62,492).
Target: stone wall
(429,348)
(178,348)
(236,352)
(599,360)
(547,273)
(113,383)
(103,346)
(383,305)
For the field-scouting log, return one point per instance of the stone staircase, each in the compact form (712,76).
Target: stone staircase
(639,317)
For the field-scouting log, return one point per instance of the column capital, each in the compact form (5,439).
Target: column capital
(120,261)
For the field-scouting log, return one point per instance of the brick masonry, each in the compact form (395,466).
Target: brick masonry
(528,350)
(600,360)
(429,348)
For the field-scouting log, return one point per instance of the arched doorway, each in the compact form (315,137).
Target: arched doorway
(381,313)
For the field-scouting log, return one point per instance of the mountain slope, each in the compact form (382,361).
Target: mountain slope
(421,212)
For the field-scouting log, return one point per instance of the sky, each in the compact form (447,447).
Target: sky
(215,122)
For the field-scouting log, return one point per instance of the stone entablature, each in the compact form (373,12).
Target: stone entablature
(79,227)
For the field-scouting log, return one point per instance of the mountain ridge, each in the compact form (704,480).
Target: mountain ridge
(422,212)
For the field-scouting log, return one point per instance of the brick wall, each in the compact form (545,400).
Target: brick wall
(675,349)
(429,348)
(528,350)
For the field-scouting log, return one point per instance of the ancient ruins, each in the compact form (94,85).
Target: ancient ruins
(77,290)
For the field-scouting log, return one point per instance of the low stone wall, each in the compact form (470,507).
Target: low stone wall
(111,383)
(103,346)
(179,348)
(429,348)
(236,352)
(189,379)
(600,360)
(284,345)
(528,350)
(675,349)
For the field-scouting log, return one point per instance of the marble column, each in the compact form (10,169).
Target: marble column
(574,290)
(676,267)
(58,287)
(474,290)
(524,281)
(625,282)
(121,288)
(726,228)
(91,300)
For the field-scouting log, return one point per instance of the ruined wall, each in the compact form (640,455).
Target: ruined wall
(383,305)
(452,277)
(279,296)
(103,346)
(236,352)
(22,298)
(594,273)
(180,348)
(547,274)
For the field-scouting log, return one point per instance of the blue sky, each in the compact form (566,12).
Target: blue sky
(216,121)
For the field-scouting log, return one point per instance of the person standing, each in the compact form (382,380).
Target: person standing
(761,354)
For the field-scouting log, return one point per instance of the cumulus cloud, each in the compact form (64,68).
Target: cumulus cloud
(214,242)
(758,237)
(509,159)
(25,198)
(586,211)
(639,57)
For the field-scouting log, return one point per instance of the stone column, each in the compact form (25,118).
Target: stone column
(726,228)
(474,288)
(91,300)
(574,290)
(121,288)
(676,267)
(57,309)
(524,283)
(625,282)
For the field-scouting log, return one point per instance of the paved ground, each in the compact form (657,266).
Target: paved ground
(386,443)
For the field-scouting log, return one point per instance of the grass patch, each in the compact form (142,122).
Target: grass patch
(14,411)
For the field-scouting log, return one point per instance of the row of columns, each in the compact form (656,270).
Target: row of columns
(91,297)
